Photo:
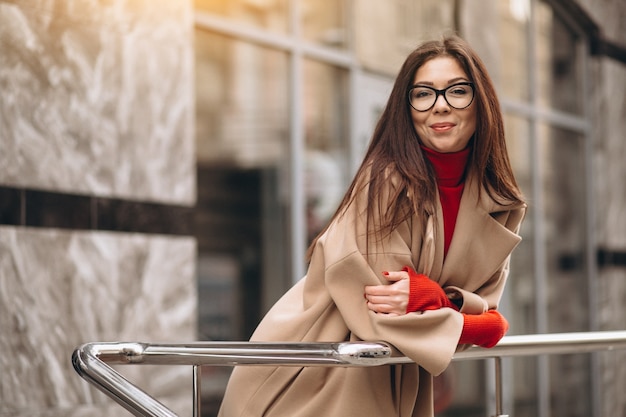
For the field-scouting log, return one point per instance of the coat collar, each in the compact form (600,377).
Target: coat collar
(480,244)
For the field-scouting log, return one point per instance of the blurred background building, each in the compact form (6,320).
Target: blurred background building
(164,164)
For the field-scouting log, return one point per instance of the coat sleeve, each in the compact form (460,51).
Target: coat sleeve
(488,295)
(351,262)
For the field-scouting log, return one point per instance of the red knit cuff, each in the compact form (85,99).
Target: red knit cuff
(413,290)
(425,294)
(484,329)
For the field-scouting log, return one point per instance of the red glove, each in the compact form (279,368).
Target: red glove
(425,294)
(484,329)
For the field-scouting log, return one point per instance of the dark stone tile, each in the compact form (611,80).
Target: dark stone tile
(36,208)
(56,210)
(11,206)
(141,217)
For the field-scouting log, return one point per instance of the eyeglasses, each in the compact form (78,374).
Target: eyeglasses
(458,96)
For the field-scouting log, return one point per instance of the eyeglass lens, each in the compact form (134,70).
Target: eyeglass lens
(458,96)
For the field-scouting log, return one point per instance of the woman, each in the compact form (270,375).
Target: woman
(436,205)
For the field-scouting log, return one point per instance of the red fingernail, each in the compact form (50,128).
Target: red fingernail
(385,273)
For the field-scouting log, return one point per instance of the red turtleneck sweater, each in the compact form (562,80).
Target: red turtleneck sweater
(450,170)
(484,329)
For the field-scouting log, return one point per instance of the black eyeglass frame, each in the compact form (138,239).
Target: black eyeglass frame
(441,93)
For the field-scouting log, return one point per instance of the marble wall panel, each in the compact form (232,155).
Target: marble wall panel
(97,98)
(60,289)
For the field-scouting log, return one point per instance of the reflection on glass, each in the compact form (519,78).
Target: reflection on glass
(325,103)
(522,273)
(241,102)
(519,298)
(513,37)
(265,14)
(324,22)
(241,220)
(385,32)
(562,154)
(416,21)
(558,62)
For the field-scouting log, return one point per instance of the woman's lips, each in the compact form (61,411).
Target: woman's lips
(442,127)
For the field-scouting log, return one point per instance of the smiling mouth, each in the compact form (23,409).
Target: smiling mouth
(442,127)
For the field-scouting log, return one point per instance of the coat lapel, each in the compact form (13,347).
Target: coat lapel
(480,243)
(429,260)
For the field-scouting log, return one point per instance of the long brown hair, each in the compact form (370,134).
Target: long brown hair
(394,148)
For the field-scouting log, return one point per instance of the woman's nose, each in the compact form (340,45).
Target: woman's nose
(441,104)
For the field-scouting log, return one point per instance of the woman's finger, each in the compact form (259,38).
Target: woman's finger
(385,309)
(377,290)
(393,290)
(395,275)
(377,299)
(380,308)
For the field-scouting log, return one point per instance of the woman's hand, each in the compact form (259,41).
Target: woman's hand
(408,292)
(425,294)
(389,299)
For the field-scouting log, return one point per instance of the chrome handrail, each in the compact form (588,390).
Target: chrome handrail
(90,360)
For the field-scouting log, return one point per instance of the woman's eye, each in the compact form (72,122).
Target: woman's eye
(422,93)
(459,91)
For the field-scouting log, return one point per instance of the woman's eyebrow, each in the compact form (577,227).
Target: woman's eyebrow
(452,81)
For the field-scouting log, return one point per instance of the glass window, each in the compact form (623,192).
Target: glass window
(386,32)
(416,21)
(559,67)
(324,22)
(562,154)
(570,385)
(518,303)
(326,113)
(521,281)
(242,137)
(264,14)
(241,219)
(513,36)
(241,102)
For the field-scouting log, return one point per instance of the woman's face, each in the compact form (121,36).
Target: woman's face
(443,128)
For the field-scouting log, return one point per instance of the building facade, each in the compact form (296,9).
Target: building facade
(165,165)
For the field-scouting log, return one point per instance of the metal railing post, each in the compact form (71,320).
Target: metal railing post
(197,390)
(499,387)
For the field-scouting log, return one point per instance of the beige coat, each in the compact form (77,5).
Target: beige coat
(328,306)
